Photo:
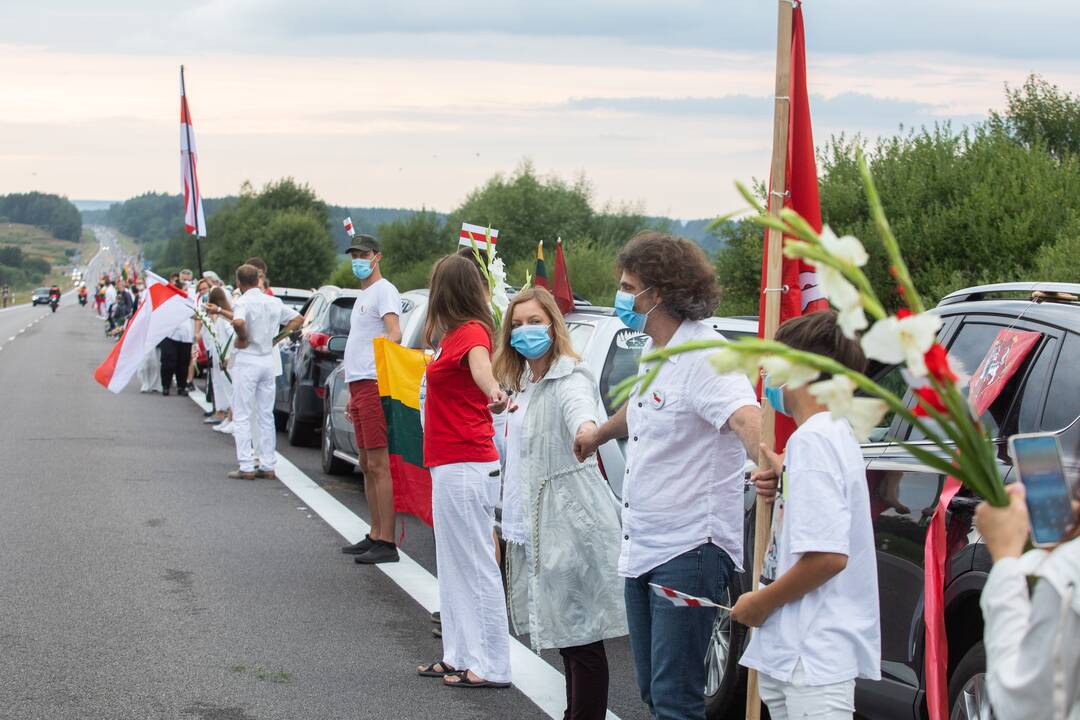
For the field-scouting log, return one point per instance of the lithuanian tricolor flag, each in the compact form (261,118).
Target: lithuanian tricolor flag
(540,279)
(400,371)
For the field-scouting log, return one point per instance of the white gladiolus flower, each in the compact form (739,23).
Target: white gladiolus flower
(864,415)
(784,372)
(847,248)
(836,394)
(726,360)
(902,340)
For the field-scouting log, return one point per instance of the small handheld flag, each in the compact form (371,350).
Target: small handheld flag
(684,600)
(477,234)
(347,222)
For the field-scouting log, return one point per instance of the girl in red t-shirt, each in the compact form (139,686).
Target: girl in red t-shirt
(458,448)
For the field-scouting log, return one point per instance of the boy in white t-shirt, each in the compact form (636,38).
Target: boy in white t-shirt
(818,615)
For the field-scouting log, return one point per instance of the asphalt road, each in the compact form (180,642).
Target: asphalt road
(139,583)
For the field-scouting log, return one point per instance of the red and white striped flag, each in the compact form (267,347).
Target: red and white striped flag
(684,600)
(194,219)
(163,308)
(478,234)
(347,222)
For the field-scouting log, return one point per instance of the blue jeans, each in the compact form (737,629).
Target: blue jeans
(669,641)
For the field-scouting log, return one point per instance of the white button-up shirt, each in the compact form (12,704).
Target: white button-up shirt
(263,316)
(684,464)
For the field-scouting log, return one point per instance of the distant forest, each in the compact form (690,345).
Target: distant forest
(52,213)
(154,218)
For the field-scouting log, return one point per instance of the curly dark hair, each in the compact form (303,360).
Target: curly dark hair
(678,268)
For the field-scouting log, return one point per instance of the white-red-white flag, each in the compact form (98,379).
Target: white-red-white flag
(477,234)
(161,310)
(680,598)
(194,219)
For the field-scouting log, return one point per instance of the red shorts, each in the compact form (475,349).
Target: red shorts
(368,419)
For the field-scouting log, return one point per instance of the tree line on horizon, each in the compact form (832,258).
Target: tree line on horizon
(994,201)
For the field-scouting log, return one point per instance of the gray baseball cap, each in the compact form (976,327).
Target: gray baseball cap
(363,242)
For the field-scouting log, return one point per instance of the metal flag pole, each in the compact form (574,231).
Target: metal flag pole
(191,164)
(774,241)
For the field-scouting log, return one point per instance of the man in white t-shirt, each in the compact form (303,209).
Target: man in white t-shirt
(376,313)
(818,617)
(257,319)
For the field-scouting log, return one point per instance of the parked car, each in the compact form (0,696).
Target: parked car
(607,347)
(1043,396)
(296,298)
(306,363)
(40,296)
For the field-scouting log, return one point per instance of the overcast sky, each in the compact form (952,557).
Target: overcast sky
(411,103)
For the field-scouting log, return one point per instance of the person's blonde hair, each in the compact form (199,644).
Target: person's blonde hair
(509,364)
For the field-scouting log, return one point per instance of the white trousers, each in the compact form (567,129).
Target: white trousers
(253,402)
(475,634)
(796,699)
(150,371)
(222,387)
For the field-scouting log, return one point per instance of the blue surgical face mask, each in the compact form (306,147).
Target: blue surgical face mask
(532,341)
(775,395)
(624,308)
(362,268)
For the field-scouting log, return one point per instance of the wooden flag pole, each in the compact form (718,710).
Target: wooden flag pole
(774,240)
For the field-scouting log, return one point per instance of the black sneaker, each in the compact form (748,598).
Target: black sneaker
(359,548)
(380,552)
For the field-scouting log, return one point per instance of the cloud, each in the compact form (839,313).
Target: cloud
(846,109)
(1033,29)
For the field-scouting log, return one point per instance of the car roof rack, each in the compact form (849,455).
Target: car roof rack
(1036,291)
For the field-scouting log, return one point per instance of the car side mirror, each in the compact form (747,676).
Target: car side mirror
(336,345)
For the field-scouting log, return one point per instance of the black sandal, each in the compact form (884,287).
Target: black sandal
(464,681)
(431,671)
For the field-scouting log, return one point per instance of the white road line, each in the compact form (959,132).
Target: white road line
(536,679)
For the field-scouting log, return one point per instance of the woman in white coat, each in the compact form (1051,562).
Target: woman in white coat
(1032,638)
(559,516)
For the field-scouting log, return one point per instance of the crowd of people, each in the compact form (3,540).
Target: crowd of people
(511,415)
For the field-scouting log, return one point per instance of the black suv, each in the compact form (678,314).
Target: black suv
(306,363)
(1043,396)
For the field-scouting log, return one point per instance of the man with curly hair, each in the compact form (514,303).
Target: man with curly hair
(688,440)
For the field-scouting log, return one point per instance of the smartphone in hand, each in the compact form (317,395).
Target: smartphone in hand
(1049,498)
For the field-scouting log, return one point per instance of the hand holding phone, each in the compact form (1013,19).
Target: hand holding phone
(1049,498)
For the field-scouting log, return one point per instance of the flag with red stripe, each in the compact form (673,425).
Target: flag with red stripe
(194,219)
(163,308)
(801,293)
(684,600)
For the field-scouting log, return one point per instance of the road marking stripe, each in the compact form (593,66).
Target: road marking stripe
(533,676)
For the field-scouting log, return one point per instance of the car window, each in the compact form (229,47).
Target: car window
(1031,399)
(313,309)
(580,334)
(1064,387)
(621,363)
(338,319)
(967,351)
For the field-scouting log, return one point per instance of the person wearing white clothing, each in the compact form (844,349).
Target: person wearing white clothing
(682,509)
(817,614)
(1031,638)
(256,318)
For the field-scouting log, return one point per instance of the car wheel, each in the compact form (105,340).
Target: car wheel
(725,679)
(967,687)
(331,464)
(300,434)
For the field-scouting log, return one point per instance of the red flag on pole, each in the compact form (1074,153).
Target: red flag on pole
(194,219)
(560,286)
(800,289)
